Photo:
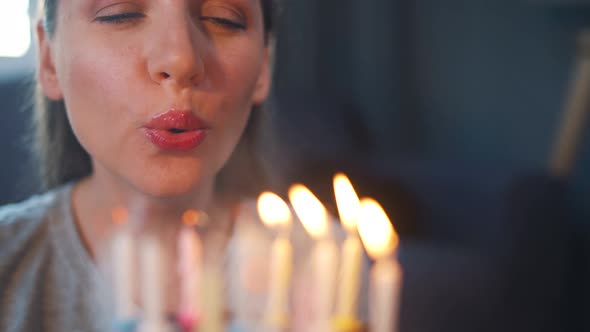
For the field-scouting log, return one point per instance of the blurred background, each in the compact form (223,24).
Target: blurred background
(447,112)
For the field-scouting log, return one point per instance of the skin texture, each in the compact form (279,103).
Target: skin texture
(117,72)
(115,76)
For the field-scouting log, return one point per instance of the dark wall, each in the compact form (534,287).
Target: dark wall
(492,77)
(462,80)
(18,178)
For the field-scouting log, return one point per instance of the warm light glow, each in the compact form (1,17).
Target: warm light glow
(347,201)
(273,210)
(309,209)
(191,218)
(15,28)
(377,233)
(120,215)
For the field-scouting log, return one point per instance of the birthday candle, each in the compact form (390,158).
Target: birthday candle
(123,271)
(324,256)
(212,295)
(190,264)
(275,213)
(351,256)
(152,287)
(325,262)
(212,318)
(381,241)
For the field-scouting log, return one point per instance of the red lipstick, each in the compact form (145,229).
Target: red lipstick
(176,130)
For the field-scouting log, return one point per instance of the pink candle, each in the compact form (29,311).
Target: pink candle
(190,251)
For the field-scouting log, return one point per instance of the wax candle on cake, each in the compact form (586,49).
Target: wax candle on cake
(152,287)
(324,257)
(123,272)
(190,252)
(350,259)
(212,318)
(275,214)
(381,242)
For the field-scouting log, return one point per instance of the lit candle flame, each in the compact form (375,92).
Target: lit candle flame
(191,218)
(273,210)
(120,215)
(375,229)
(347,201)
(309,209)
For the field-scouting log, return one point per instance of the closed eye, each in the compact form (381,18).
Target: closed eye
(224,22)
(120,18)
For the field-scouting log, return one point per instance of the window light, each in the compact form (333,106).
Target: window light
(15,28)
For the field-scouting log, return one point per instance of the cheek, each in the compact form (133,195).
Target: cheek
(95,92)
(232,116)
(240,72)
(109,93)
(96,78)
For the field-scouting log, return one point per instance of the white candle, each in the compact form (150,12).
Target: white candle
(275,213)
(386,279)
(325,265)
(123,267)
(350,278)
(152,287)
(352,252)
(381,242)
(314,218)
(123,274)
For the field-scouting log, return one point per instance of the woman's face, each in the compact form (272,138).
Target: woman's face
(157,91)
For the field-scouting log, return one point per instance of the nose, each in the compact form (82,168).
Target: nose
(176,55)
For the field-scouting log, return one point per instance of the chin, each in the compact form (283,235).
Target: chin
(171,185)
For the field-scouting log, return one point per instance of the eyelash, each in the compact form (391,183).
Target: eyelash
(130,17)
(224,22)
(120,18)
